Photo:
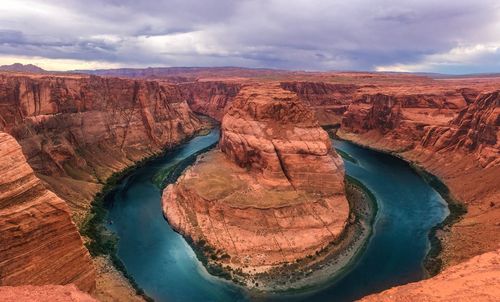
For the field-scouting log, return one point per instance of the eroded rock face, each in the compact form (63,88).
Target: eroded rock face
(274,191)
(382,117)
(462,149)
(328,101)
(379,111)
(77,131)
(474,130)
(474,280)
(273,133)
(46,293)
(39,244)
(210,98)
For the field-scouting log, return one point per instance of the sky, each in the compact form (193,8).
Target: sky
(445,36)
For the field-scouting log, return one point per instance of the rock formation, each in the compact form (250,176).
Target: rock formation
(210,98)
(462,149)
(474,130)
(396,121)
(39,242)
(77,131)
(272,194)
(46,293)
(475,280)
(329,101)
(255,195)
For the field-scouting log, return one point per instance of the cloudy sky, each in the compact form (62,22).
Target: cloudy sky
(449,36)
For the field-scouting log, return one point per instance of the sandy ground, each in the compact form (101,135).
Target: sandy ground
(111,285)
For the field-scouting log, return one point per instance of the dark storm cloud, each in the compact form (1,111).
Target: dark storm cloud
(298,34)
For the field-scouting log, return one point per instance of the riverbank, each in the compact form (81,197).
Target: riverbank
(313,271)
(113,280)
(433,263)
(150,248)
(334,260)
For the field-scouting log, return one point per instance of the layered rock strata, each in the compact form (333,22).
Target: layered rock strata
(210,98)
(39,244)
(329,101)
(76,131)
(274,191)
(462,149)
(474,280)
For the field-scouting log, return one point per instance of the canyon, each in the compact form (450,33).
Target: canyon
(76,131)
(69,133)
(275,178)
(462,149)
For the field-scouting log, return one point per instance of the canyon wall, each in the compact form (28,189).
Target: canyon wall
(272,194)
(76,131)
(475,280)
(328,100)
(461,148)
(474,131)
(39,244)
(210,98)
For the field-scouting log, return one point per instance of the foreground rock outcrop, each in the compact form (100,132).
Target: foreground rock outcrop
(45,293)
(474,280)
(274,191)
(39,244)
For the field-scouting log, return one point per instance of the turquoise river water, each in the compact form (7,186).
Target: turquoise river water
(164,265)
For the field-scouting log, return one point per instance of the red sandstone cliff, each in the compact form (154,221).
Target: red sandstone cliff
(462,149)
(474,130)
(77,131)
(328,100)
(475,280)
(210,98)
(39,244)
(272,194)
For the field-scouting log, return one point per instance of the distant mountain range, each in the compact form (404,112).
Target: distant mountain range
(180,74)
(185,72)
(18,67)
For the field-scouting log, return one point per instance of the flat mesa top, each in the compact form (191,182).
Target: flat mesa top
(214,177)
(266,92)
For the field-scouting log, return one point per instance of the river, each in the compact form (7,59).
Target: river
(164,265)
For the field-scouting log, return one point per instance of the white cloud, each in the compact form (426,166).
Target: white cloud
(58,64)
(462,59)
(298,34)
